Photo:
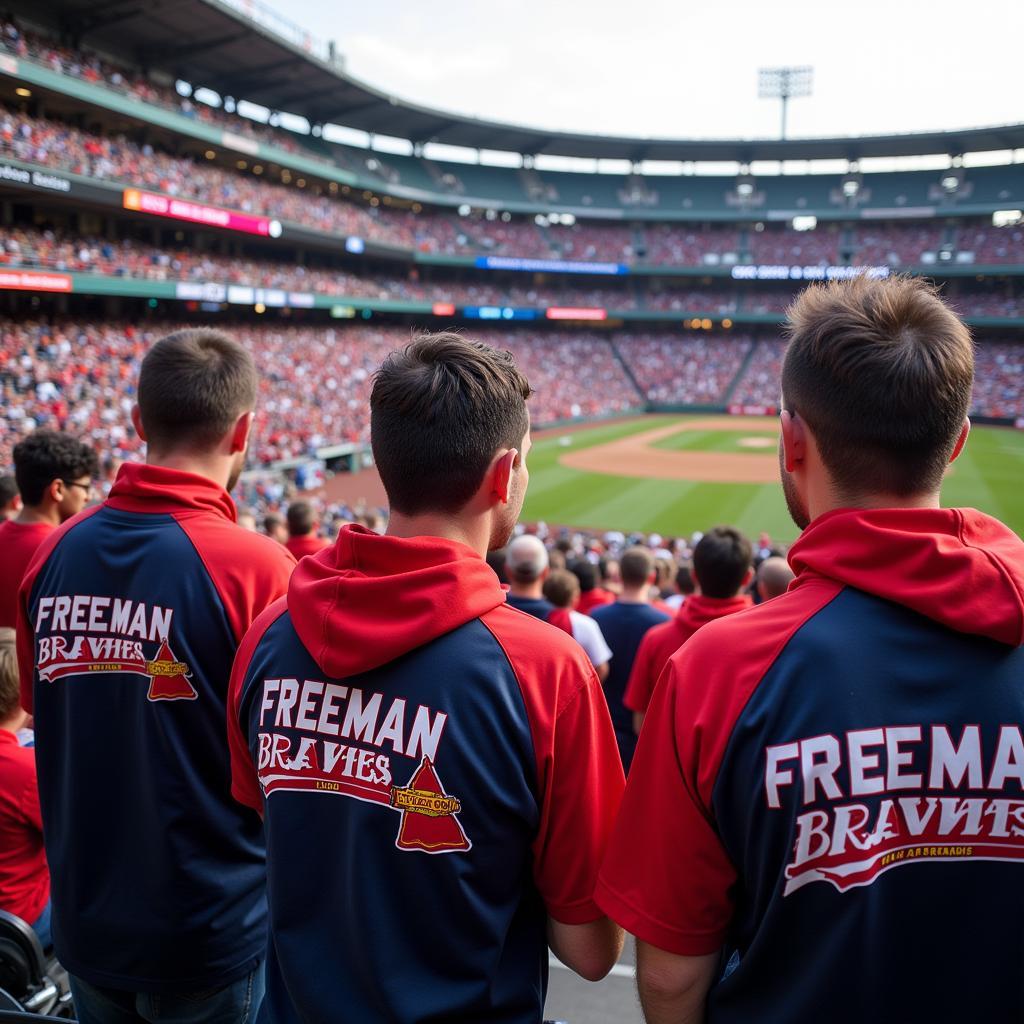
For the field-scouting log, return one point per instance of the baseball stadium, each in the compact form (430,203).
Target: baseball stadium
(207,163)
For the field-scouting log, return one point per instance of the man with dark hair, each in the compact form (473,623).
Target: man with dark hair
(624,625)
(827,782)
(303,538)
(436,770)
(526,567)
(722,570)
(592,594)
(54,474)
(10,497)
(683,587)
(129,618)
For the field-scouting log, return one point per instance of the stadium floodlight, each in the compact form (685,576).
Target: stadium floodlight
(784,84)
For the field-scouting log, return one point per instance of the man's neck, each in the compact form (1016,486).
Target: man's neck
(527,591)
(47,513)
(214,467)
(634,595)
(471,532)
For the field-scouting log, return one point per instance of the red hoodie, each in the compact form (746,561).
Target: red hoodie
(661,642)
(307,544)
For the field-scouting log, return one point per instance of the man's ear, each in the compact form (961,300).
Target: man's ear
(501,474)
(961,441)
(240,432)
(137,422)
(748,579)
(794,439)
(56,490)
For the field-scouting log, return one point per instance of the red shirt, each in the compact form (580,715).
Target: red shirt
(307,544)
(24,876)
(661,642)
(18,543)
(594,599)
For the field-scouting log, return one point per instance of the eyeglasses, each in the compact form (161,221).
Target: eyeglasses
(88,488)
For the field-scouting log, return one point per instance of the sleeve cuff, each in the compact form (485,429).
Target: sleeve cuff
(652,931)
(575,913)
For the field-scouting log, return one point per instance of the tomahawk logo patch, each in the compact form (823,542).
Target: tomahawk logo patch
(84,635)
(327,738)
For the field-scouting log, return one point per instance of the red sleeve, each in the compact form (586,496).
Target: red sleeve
(667,877)
(250,571)
(29,804)
(579,773)
(245,787)
(641,676)
(25,634)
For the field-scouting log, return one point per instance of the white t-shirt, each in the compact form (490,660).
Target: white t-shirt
(587,633)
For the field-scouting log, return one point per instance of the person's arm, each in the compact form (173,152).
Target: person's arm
(673,988)
(638,721)
(591,949)
(602,670)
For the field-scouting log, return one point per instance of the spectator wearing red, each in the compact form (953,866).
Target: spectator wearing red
(592,594)
(24,876)
(303,536)
(54,473)
(722,570)
(562,589)
(128,621)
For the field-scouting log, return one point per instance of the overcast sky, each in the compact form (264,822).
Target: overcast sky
(679,68)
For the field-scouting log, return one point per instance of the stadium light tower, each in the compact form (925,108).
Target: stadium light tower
(784,84)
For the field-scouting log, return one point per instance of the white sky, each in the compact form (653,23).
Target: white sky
(680,68)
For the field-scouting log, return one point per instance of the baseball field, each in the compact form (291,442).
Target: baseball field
(677,474)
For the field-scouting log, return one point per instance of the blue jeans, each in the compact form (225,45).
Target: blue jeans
(42,928)
(236,1003)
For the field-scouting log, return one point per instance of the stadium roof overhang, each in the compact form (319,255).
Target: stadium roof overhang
(210,43)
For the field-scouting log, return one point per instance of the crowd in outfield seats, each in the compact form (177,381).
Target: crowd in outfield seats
(689,371)
(759,382)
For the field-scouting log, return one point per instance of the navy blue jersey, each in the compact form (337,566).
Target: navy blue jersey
(829,788)
(437,776)
(131,615)
(538,607)
(624,625)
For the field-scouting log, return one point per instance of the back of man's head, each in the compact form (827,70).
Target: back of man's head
(439,412)
(562,588)
(773,577)
(193,387)
(8,495)
(721,562)
(301,519)
(45,456)
(636,567)
(881,372)
(586,573)
(526,560)
(684,580)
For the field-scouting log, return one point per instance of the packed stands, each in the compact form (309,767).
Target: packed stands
(689,371)
(759,382)
(999,379)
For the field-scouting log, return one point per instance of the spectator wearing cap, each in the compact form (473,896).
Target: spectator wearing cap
(526,568)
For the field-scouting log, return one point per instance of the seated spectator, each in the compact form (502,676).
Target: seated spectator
(591,594)
(526,566)
(54,473)
(303,530)
(562,589)
(10,497)
(773,577)
(624,625)
(722,570)
(24,876)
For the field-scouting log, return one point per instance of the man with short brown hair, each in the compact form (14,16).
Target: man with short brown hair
(436,770)
(129,618)
(827,781)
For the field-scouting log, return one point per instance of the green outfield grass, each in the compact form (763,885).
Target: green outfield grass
(989,476)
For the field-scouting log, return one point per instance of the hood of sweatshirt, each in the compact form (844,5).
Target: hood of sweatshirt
(367,599)
(959,567)
(697,609)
